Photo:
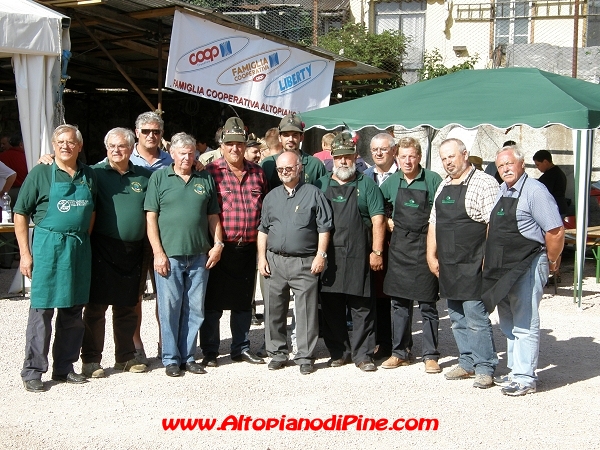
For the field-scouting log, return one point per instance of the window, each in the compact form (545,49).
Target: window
(593,28)
(409,18)
(511,23)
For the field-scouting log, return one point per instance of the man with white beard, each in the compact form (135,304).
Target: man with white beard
(355,247)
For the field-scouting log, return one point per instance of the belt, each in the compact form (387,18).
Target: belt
(288,255)
(238,243)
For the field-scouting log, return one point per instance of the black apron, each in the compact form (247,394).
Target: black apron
(502,269)
(408,274)
(348,268)
(116,270)
(460,244)
(231,282)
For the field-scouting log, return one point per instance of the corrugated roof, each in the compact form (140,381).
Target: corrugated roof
(130,31)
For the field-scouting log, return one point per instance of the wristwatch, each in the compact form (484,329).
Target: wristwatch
(322,254)
(378,252)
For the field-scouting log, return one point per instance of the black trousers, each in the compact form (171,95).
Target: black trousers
(124,320)
(67,341)
(335,330)
(383,324)
(402,315)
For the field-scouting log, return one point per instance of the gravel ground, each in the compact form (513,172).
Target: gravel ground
(126,410)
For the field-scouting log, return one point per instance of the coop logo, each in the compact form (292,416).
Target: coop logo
(65,205)
(296,78)
(254,68)
(210,54)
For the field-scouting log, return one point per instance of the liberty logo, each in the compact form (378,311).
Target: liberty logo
(412,204)
(448,201)
(501,212)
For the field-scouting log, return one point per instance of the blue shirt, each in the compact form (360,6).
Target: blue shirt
(537,211)
(164,159)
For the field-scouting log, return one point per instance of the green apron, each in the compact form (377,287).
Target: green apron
(62,256)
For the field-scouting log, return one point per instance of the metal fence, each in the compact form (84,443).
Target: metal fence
(503,33)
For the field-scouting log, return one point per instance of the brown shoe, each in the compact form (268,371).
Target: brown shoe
(393,362)
(432,366)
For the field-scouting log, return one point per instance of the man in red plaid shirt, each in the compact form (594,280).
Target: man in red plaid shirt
(241,188)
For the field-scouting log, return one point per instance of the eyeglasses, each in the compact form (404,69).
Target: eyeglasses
(69,144)
(121,147)
(380,150)
(287,168)
(146,131)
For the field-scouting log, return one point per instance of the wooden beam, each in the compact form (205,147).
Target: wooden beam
(151,13)
(133,85)
(140,48)
(120,19)
(345,64)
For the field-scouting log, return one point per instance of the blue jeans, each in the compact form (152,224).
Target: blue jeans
(520,321)
(472,332)
(181,307)
(210,335)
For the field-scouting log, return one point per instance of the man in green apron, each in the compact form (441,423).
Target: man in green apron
(60,199)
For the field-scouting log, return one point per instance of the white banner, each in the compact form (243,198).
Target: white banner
(230,66)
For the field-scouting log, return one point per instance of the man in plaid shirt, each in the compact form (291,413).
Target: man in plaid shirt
(241,188)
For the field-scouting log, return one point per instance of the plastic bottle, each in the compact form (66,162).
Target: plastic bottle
(6,209)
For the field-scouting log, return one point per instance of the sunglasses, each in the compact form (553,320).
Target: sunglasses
(146,131)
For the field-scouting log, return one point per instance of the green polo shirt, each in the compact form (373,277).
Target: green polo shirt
(183,210)
(313,169)
(369,198)
(33,196)
(425,181)
(120,208)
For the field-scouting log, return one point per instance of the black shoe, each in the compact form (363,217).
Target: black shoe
(210,360)
(255,321)
(337,362)
(249,357)
(71,377)
(34,385)
(194,367)
(262,353)
(367,366)
(276,364)
(173,370)
(306,369)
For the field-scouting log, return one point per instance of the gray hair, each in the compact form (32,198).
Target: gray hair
(124,132)
(460,144)
(387,136)
(516,151)
(181,140)
(149,117)
(63,129)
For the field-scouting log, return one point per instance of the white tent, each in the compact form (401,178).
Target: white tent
(35,37)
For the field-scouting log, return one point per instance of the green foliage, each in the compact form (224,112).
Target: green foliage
(433,65)
(383,50)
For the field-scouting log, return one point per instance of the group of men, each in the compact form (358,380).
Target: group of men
(323,237)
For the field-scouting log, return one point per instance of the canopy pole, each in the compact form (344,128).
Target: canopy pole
(119,68)
(160,68)
(582,143)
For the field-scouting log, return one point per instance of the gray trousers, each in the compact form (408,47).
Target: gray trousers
(289,272)
(68,337)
